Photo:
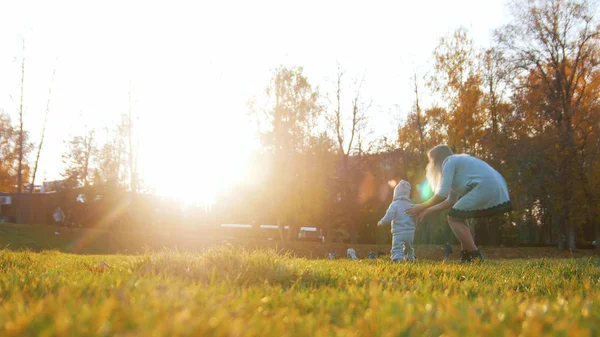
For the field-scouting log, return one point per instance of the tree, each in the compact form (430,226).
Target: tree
(345,144)
(107,164)
(313,196)
(457,77)
(413,138)
(588,152)
(495,112)
(78,157)
(495,80)
(288,123)
(557,42)
(9,153)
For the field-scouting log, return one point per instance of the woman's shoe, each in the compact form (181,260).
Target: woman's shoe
(465,256)
(476,254)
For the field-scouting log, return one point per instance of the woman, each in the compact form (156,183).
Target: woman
(469,187)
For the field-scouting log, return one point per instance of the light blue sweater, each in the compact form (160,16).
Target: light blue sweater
(401,223)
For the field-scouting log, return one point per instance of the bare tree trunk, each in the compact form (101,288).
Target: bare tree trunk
(347,206)
(345,150)
(568,160)
(493,231)
(88,154)
(559,233)
(132,168)
(597,230)
(39,150)
(565,153)
(20,169)
(571,238)
(419,121)
(542,231)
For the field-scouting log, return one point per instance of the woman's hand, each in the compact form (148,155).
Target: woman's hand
(415,210)
(419,217)
(418,212)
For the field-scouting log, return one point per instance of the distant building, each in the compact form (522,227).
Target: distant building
(53,186)
(36,188)
(5,199)
(269,232)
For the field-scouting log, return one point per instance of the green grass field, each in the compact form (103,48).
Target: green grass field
(231,292)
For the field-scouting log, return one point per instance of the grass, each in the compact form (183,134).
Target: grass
(227,291)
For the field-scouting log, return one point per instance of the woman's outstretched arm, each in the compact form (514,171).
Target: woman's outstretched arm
(418,208)
(447,203)
(433,201)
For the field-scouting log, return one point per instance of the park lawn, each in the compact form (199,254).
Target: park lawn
(228,291)
(99,241)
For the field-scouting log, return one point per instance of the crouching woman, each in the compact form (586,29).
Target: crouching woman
(469,187)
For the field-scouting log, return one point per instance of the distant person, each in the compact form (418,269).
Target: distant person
(351,254)
(332,255)
(403,227)
(448,248)
(59,218)
(469,187)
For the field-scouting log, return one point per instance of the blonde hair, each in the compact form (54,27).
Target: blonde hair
(436,156)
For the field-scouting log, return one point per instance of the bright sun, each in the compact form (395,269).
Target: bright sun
(196,161)
(196,180)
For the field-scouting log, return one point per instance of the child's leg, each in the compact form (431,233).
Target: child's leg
(397,247)
(409,249)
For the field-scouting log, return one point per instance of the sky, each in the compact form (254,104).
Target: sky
(192,66)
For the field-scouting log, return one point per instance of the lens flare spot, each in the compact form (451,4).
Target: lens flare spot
(425,190)
(392,183)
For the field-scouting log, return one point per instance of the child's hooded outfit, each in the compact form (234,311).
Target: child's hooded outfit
(403,226)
